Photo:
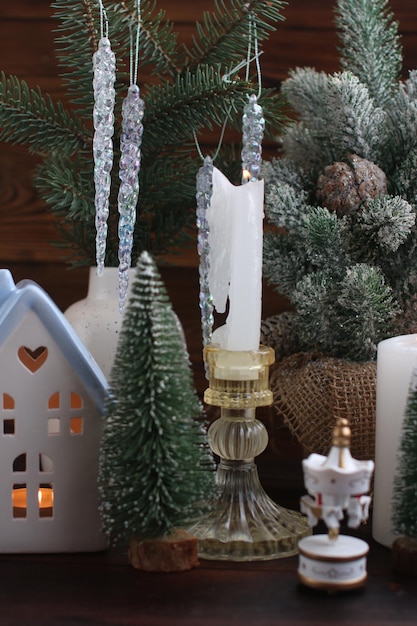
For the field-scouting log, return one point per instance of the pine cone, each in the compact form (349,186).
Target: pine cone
(346,187)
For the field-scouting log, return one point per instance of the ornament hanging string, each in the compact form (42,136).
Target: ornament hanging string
(104,76)
(253,32)
(133,109)
(104,22)
(226,77)
(134,47)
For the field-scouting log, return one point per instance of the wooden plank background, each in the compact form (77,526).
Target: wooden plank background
(306,37)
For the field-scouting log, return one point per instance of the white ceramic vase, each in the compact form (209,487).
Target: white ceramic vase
(97,319)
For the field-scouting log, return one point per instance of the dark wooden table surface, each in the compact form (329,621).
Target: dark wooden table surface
(102,589)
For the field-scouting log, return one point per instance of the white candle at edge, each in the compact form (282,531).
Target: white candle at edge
(235,221)
(396,360)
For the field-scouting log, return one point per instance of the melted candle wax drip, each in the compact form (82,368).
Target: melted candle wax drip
(104,64)
(253,126)
(203,196)
(132,130)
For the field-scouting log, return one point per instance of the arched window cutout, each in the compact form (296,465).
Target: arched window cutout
(76,401)
(45,463)
(32,359)
(8,402)
(19,464)
(54,426)
(19,500)
(54,401)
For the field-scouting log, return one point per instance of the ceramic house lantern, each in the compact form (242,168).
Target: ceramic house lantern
(336,484)
(51,400)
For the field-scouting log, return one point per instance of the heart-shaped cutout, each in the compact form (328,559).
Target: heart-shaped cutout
(32,359)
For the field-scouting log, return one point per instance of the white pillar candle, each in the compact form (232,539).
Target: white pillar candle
(396,360)
(235,219)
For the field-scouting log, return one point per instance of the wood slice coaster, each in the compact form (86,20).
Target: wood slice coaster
(404,556)
(177,552)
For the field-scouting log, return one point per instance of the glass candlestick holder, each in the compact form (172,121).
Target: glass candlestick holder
(244,523)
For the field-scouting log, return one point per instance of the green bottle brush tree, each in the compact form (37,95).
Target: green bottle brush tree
(156,469)
(404,517)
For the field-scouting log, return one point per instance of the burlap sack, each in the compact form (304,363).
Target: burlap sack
(311,391)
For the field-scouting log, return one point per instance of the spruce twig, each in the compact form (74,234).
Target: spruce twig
(364,30)
(185,94)
(28,117)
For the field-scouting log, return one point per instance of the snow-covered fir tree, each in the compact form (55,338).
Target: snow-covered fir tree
(155,467)
(343,198)
(405,482)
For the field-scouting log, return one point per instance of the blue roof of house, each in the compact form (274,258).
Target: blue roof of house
(17,300)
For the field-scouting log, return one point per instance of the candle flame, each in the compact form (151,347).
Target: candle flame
(246,175)
(45,497)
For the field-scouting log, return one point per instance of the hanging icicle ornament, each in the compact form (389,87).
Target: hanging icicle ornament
(132,129)
(253,122)
(204,192)
(133,108)
(203,196)
(253,125)
(104,76)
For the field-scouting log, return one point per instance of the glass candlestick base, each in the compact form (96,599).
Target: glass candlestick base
(244,523)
